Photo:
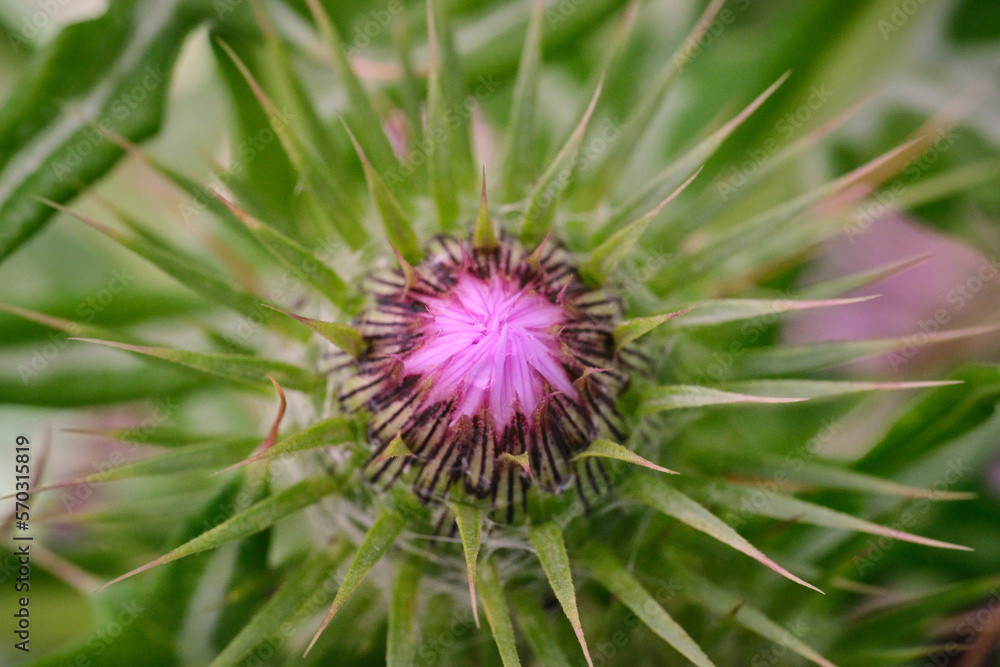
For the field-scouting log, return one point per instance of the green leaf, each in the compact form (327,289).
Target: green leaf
(815,356)
(323,195)
(721,311)
(723,603)
(439,162)
(849,283)
(786,508)
(817,473)
(611,450)
(517,166)
(497,614)
(532,621)
(768,236)
(917,609)
(79,387)
(662,497)
(183,459)
(249,521)
(296,599)
(938,186)
(545,196)
(403,610)
(184,270)
(411,89)
(498,55)
(627,332)
(455,93)
(683,167)
(131,47)
(811,389)
(251,580)
(201,195)
(484,236)
(344,336)
(395,221)
(149,639)
(735,188)
(361,115)
(264,176)
(470,528)
(303,264)
(674,397)
(619,581)
(293,95)
(617,247)
(70,327)
(130,309)
(943,415)
(645,110)
(247,370)
(376,543)
(321,434)
(551,551)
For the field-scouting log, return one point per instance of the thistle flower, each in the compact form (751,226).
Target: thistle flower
(491,427)
(491,366)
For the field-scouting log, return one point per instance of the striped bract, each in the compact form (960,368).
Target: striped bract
(493,368)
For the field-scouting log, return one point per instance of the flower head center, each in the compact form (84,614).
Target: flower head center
(492,343)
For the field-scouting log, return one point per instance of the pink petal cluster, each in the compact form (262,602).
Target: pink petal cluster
(491,342)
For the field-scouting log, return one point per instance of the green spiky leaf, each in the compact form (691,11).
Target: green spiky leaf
(787,508)
(295,599)
(403,610)
(675,397)
(607,449)
(612,251)
(522,112)
(497,614)
(720,311)
(618,580)
(387,527)
(627,332)
(344,336)
(470,528)
(551,551)
(397,224)
(541,203)
(235,367)
(325,433)
(249,521)
(664,498)
(726,604)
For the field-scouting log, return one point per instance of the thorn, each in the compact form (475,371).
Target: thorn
(82,218)
(260,16)
(357,147)
(484,235)
(272,435)
(534,260)
(561,297)
(465,256)
(520,460)
(396,447)
(409,273)
(349,339)
(322,627)
(251,222)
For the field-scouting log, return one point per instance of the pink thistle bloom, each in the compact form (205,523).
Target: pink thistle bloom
(491,344)
(485,357)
